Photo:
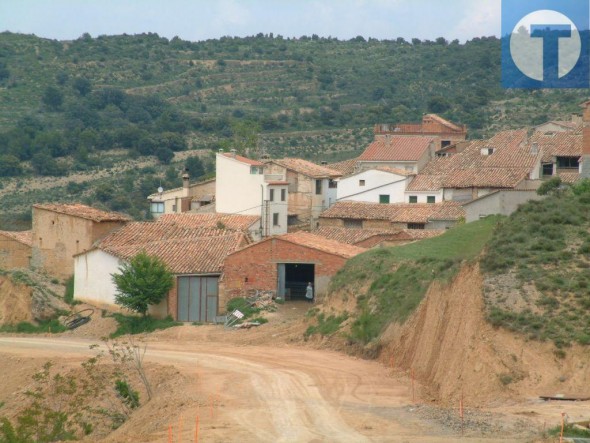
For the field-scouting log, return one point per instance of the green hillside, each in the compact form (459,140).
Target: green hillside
(79,108)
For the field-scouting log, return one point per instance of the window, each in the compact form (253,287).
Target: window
(384,198)
(283,195)
(548,169)
(567,162)
(352,223)
(413,199)
(332,184)
(318,187)
(445,143)
(416,225)
(272,195)
(275,219)
(157,208)
(490,151)
(361,183)
(431,199)
(256,170)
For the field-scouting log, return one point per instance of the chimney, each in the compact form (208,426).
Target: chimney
(585,161)
(233,153)
(534,148)
(185,183)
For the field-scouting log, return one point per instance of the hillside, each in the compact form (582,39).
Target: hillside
(115,115)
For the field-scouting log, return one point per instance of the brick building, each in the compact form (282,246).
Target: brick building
(285,264)
(60,231)
(15,249)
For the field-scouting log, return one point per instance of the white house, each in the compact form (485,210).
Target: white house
(379,185)
(241,187)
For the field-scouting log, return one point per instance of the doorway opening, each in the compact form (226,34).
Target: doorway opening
(293,280)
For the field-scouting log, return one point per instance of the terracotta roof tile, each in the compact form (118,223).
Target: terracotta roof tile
(396,213)
(322,244)
(569,177)
(183,250)
(24,237)
(396,148)
(83,211)
(242,159)
(345,167)
(353,236)
(306,168)
(211,220)
(560,144)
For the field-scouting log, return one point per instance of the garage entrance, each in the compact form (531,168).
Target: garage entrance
(293,280)
(197,298)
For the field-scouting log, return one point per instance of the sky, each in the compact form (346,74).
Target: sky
(197,20)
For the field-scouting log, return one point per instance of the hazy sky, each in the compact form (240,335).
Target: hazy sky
(203,19)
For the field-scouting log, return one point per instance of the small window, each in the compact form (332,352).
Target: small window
(445,143)
(256,170)
(272,195)
(431,199)
(490,151)
(416,226)
(332,184)
(361,183)
(275,219)
(283,195)
(384,198)
(157,208)
(353,223)
(548,169)
(318,187)
(413,199)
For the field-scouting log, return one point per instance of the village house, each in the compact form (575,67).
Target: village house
(370,238)
(357,215)
(194,256)
(312,187)
(245,186)
(408,153)
(15,249)
(62,230)
(556,126)
(381,184)
(444,132)
(285,265)
(198,196)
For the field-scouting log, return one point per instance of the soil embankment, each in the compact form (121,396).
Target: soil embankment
(15,302)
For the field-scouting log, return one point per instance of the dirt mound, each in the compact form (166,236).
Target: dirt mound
(16,302)
(453,349)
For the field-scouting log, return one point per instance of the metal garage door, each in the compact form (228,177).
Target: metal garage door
(197,298)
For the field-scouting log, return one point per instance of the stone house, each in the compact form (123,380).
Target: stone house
(194,256)
(62,230)
(284,264)
(15,249)
(397,216)
(198,196)
(312,187)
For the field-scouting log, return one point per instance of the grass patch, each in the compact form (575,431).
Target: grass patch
(242,305)
(51,326)
(569,430)
(136,325)
(326,325)
(69,293)
(398,277)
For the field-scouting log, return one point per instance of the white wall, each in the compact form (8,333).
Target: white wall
(376,183)
(92,277)
(423,196)
(236,190)
(279,207)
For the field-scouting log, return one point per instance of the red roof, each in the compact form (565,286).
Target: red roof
(83,211)
(396,148)
(395,213)
(345,167)
(242,159)
(238,222)
(306,168)
(24,237)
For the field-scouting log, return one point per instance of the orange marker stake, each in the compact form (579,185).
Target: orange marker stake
(562,427)
(197,429)
(391,362)
(169,433)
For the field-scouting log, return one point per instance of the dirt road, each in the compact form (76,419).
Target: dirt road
(265,394)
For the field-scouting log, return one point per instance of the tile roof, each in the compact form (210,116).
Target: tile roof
(397,171)
(24,237)
(560,144)
(444,122)
(242,159)
(306,168)
(395,213)
(83,211)
(396,148)
(512,160)
(184,250)
(322,244)
(353,236)
(569,177)
(345,167)
(238,222)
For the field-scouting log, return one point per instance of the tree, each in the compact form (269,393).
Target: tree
(143,281)
(194,166)
(82,85)
(550,186)
(53,98)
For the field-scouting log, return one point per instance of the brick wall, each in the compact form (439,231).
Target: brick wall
(256,267)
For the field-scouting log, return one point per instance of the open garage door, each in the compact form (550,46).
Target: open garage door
(197,298)
(293,279)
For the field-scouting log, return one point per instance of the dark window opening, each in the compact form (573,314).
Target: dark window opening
(283,195)
(416,226)
(275,219)
(384,198)
(548,169)
(297,277)
(318,187)
(272,195)
(413,199)
(431,199)
(567,162)
(353,223)
(445,143)
(332,184)
(361,183)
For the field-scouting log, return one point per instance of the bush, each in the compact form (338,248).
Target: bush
(138,325)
